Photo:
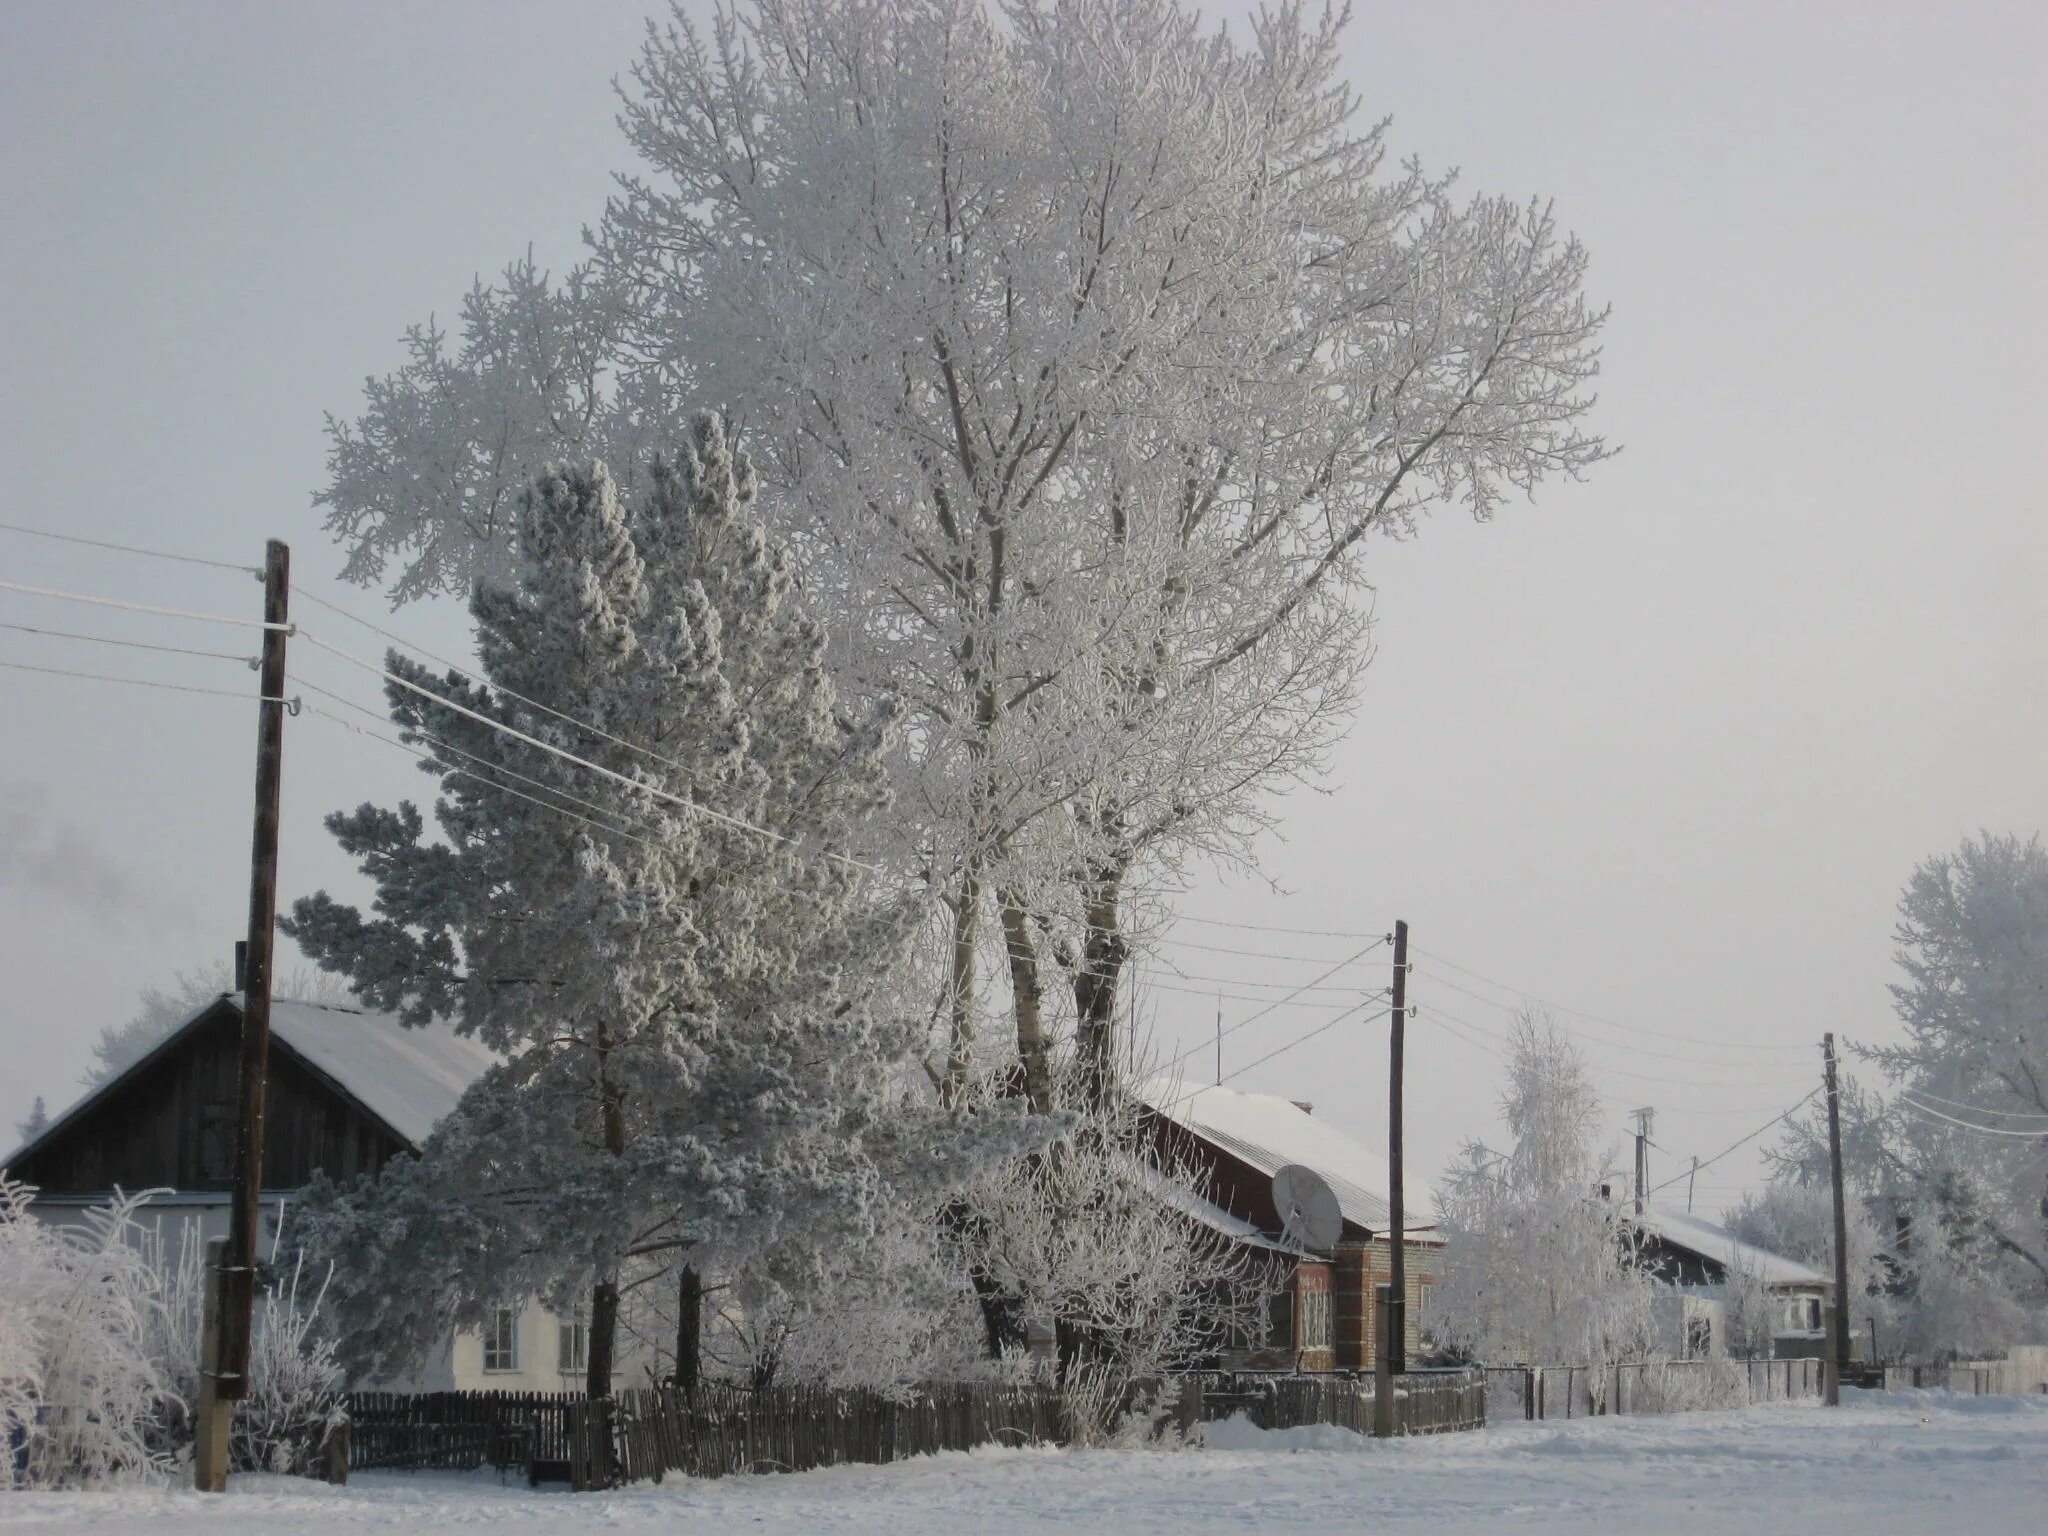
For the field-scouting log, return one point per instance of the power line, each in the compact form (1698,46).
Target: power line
(1579,1013)
(1968,1125)
(1153,984)
(1245,981)
(1255,954)
(505,789)
(133,645)
(534,741)
(498,688)
(1438,1011)
(129,549)
(1299,1040)
(174,613)
(1640,1050)
(1975,1109)
(1708,1162)
(150,682)
(1306,933)
(1253,1018)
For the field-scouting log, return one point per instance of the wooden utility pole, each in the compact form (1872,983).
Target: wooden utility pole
(228,1372)
(1838,1352)
(1397,1224)
(1690,1179)
(1643,1118)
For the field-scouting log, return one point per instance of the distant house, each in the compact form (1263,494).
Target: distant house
(1694,1259)
(1237,1142)
(347,1092)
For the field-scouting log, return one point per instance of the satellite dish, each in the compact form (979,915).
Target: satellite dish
(1308,1208)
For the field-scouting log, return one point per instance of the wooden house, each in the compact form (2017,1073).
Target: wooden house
(1236,1142)
(347,1091)
(1695,1259)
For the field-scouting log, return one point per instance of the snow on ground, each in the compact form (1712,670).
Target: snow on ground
(1916,1463)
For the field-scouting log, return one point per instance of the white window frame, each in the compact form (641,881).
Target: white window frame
(572,1346)
(501,1342)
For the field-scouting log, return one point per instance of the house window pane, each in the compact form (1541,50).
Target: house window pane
(572,1343)
(501,1340)
(1315,1320)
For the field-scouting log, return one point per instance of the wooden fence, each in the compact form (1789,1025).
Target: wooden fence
(1425,1402)
(721,1430)
(1669,1386)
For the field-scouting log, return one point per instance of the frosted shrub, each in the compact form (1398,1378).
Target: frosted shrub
(1689,1387)
(81,1396)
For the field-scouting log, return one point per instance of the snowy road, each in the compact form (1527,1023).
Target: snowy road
(1905,1464)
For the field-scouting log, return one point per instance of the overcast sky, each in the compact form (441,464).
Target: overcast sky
(1661,748)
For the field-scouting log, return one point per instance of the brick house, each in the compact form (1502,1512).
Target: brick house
(1238,1141)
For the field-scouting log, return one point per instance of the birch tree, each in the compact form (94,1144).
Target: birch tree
(1538,1268)
(1083,350)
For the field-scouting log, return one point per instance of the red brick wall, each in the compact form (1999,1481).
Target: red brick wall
(1362,1266)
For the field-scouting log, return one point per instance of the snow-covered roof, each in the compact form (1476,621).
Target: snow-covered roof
(1697,1235)
(1268,1132)
(1217,1219)
(409,1078)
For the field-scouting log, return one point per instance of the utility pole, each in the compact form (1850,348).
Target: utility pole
(1643,1119)
(1397,1259)
(1219,1039)
(225,1378)
(1689,1180)
(1838,1352)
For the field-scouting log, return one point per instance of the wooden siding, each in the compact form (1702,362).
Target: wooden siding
(170,1122)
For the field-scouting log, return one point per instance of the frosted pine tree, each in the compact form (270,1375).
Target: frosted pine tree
(686,971)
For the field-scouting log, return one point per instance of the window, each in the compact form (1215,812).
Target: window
(1315,1320)
(572,1346)
(501,1340)
(217,1142)
(1424,1290)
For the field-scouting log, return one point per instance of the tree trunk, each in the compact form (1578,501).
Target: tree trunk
(1034,1051)
(604,1328)
(689,1331)
(1096,984)
(1001,1326)
(960,986)
(601,1343)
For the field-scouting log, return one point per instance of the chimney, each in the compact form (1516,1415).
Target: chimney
(241,965)
(1304,1106)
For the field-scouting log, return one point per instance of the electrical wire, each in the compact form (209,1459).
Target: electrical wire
(1640,1050)
(1255,954)
(1708,1162)
(173,613)
(1928,1112)
(1300,1040)
(1253,1018)
(482,762)
(129,549)
(1245,981)
(133,645)
(1152,984)
(1578,1013)
(498,688)
(1306,933)
(150,682)
(1438,1011)
(1975,1109)
(505,789)
(534,741)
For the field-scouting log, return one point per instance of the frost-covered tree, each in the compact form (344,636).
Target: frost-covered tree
(1951,1147)
(1798,1221)
(1083,348)
(1538,1266)
(32,1125)
(680,955)
(81,1396)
